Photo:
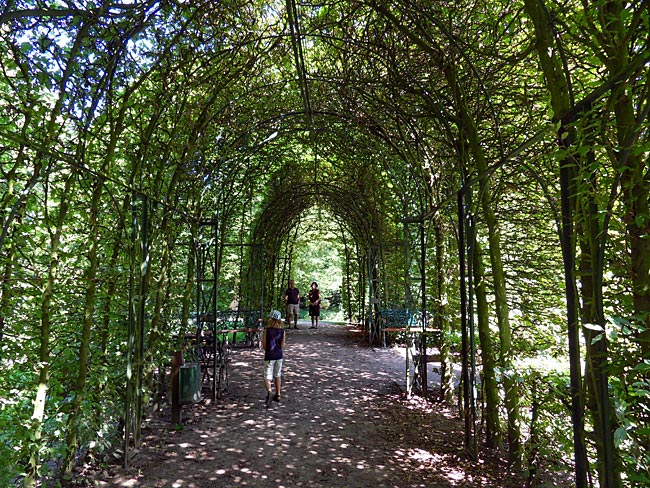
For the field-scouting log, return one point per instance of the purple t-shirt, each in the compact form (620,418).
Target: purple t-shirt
(273,344)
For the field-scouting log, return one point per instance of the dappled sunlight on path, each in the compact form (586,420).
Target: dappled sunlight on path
(340,423)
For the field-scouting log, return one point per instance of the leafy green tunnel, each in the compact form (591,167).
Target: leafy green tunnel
(482,163)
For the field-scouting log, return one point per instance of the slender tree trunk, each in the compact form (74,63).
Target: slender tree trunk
(637,190)
(112,283)
(488,358)
(440,317)
(596,364)
(38,414)
(592,238)
(158,324)
(502,310)
(361,292)
(88,321)
(5,286)
(469,130)
(632,165)
(557,84)
(346,291)
(157,321)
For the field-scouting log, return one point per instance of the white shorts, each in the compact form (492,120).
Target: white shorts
(293,309)
(272,369)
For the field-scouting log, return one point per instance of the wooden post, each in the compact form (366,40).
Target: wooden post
(177,362)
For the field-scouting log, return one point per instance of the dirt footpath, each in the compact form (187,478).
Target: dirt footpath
(341,423)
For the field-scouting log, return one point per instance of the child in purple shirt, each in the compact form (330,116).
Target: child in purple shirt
(273,340)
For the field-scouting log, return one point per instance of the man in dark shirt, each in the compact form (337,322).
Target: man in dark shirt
(292,297)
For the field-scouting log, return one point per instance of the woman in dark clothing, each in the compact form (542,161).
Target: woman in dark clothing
(273,340)
(314,305)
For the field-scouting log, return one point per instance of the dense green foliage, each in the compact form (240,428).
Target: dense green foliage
(329,143)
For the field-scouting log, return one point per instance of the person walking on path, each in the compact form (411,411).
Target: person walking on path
(273,340)
(292,297)
(314,305)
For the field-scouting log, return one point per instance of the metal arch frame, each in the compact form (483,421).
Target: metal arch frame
(207,283)
(299,58)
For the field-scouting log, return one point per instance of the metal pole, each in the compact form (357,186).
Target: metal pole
(423,285)
(213,294)
(140,345)
(463,314)
(131,338)
(370,296)
(573,329)
(471,233)
(177,361)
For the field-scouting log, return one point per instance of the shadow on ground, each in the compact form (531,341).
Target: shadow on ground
(340,423)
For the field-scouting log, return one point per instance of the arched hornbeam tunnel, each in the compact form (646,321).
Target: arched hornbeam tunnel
(466,182)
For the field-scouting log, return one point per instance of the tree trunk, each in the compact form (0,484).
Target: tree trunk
(346,295)
(87,324)
(470,132)
(501,305)
(158,324)
(440,317)
(488,359)
(5,286)
(38,414)
(596,364)
(112,283)
(632,165)
(558,86)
